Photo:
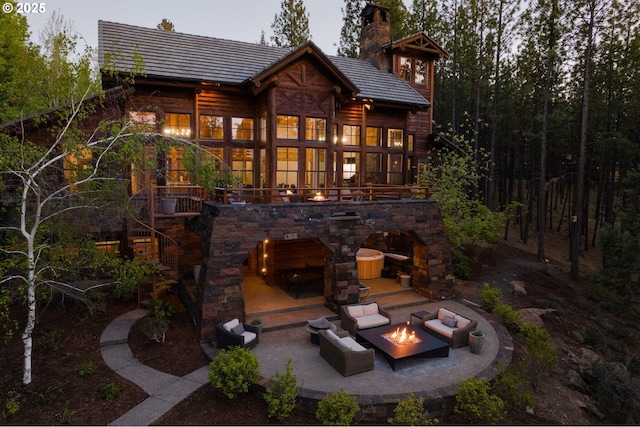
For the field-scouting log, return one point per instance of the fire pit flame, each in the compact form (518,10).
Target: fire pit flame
(402,336)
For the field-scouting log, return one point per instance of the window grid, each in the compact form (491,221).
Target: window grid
(374,137)
(395,138)
(315,129)
(350,135)
(287,127)
(241,129)
(211,126)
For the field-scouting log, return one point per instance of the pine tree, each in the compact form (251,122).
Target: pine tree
(291,25)
(350,33)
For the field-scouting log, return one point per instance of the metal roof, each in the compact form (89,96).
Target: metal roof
(180,56)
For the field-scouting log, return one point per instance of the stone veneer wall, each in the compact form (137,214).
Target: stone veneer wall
(230,232)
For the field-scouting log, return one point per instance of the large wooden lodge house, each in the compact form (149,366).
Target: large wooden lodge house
(294,123)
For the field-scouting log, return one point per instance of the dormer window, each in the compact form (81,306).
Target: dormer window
(413,70)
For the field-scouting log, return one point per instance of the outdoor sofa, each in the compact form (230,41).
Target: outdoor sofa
(344,353)
(363,316)
(449,327)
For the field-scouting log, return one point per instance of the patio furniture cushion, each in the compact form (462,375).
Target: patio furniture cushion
(371,321)
(231,324)
(450,321)
(363,316)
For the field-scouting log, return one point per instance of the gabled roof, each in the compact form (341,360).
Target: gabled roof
(179,56)
(421,42)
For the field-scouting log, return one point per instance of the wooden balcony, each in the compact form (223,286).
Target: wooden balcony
(316,195)
(173,201)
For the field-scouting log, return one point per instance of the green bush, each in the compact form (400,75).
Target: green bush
(338,409)
(156,322)
(111,391)
(12,403)
(489,297)
(541,354)
(474,402)
(511,386)
(86,369)
(282,395)
(511,319)
(233,370)
(410,412)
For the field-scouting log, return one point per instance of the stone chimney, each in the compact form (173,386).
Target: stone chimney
(375,32)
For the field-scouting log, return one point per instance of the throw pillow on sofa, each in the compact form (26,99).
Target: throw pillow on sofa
(355,311)
(449,321)
(370,309)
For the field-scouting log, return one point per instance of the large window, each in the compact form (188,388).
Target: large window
(242,165)
(350,135)
(176,172)
(350,168)
(287,127)
(287,166)
(373,168)
(178,125)
(241,129)
(413,70)
(395,138)
(315,129)
(315,167)
(211,127)
(394,169)
(374,137)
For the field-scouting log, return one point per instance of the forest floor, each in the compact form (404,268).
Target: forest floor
(71,381)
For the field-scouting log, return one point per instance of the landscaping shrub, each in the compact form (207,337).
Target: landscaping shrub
(282,395)
(474,402)
(156,322)
(111,391)
(541,354)
(86,369)
(233,371)
(338,409)
(489,297)
(410,412)
(511,319)
(511,386)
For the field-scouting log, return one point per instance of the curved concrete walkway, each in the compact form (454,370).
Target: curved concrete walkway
(164,390)
(433,379)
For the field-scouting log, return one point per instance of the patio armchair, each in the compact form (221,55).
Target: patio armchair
(344,353)
(232,332)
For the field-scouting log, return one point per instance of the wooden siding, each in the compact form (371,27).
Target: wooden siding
(302,90)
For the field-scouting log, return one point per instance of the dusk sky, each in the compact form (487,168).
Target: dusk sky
(242,20)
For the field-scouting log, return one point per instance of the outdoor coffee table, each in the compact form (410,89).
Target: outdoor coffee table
(426,345)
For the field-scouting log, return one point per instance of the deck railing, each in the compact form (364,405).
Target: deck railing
(323,194)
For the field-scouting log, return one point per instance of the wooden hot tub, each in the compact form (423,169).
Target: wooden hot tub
(370,263)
